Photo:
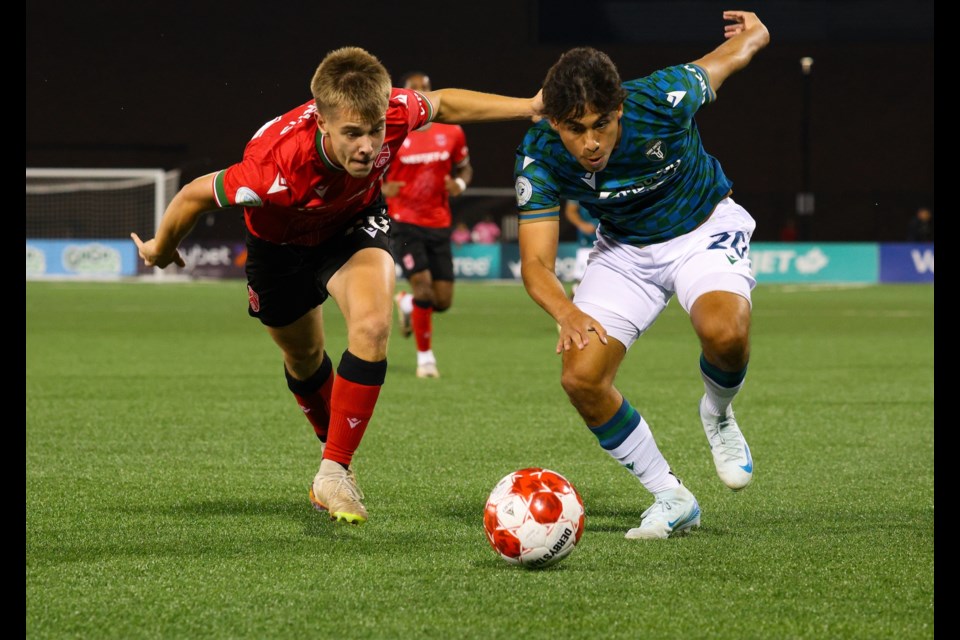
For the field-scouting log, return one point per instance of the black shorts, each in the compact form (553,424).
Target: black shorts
(285,281)
(417,248)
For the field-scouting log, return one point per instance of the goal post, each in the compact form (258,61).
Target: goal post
(78,221)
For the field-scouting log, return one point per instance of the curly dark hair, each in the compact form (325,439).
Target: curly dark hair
(583,77)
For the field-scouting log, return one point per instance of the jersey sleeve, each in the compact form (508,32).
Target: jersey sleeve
(421,109)
(241,185)
(461,153)
(538,198)
(679,91)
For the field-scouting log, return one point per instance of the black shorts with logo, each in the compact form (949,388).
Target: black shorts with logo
(285,281)
(417,248)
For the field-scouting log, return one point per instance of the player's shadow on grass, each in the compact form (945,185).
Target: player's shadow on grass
(225,507)
(315,523)
(606,518)
(603,517)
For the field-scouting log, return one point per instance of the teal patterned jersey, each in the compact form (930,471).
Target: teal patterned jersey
(659,182)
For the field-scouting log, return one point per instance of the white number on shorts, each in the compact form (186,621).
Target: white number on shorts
(378,222)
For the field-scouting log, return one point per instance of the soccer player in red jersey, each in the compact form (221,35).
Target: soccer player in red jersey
(433,164)
(309,184)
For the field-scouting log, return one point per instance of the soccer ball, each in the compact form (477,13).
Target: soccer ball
(533,517)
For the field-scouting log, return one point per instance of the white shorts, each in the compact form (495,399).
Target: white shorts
(626,288)
(583,255)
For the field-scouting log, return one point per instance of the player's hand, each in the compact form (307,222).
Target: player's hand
(742,20)
(390,188)
(575,328)
(152,258)
(536,105)
(450,184)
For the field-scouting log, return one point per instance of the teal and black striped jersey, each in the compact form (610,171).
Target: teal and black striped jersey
(659,182)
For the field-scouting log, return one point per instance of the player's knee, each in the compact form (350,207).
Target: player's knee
(423,290)
(302,360)
(727,345)
(580,386)
(724,332)
(372,332)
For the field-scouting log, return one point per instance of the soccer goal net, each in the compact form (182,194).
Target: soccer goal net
(79,204)
(79,221)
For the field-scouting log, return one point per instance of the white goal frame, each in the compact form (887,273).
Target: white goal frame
(157,176)
(60,182)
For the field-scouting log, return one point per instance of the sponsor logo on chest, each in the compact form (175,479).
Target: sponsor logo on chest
(425,158)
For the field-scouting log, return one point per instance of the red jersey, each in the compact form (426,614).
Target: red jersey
(290,189)
(425,157)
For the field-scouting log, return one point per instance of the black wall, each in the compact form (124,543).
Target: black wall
(184,85)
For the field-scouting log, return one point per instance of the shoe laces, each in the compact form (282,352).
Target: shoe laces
(727,439)
(661,504)
(347,484)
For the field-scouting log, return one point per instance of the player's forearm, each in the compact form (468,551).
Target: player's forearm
(462,106)
(736,53)
(739,50)
(181,216)
(465,173)
(175,226)
(544,287)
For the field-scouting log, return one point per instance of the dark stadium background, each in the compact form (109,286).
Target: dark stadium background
(182,85)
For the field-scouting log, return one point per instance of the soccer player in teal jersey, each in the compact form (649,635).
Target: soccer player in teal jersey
(630,152)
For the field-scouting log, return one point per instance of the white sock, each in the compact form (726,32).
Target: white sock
(406,302)
(640,455)
(719,398)
(425,357)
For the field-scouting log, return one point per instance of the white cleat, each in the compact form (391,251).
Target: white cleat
(731,454)
(428,370)
(673,511)
(335,491)
(406,323)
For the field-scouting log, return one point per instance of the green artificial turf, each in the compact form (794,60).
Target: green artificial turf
(167,468)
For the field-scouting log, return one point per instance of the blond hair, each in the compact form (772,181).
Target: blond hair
(354,80)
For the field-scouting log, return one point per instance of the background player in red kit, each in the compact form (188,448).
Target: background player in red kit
(309,184)
(432,165)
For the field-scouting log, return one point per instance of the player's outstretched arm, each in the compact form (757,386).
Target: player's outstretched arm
(178,220)
(462,106)
(746,35)
(461,178)
(538,256)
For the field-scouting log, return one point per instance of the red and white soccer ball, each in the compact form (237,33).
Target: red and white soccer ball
(533,517)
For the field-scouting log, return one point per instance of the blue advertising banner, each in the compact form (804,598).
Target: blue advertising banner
(476,261)
(565,266)
(510,261)
(811,262)
(81,258)
(903,262)
(772,262)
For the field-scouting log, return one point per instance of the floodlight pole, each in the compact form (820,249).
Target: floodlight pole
(805,200)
